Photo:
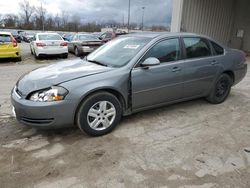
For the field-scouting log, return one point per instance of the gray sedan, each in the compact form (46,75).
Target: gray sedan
(82,44)
(127,75)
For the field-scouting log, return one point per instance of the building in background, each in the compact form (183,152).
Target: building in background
(228,21)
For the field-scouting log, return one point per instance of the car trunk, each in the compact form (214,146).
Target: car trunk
(52,44)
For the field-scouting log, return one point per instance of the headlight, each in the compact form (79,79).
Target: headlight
(48,95)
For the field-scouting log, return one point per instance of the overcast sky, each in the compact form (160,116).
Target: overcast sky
(157,12)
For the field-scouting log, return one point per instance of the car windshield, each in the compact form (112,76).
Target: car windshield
(5,38)
(49,37)
(118,52)
(87,37)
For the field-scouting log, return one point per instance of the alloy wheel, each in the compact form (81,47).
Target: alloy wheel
(101,115)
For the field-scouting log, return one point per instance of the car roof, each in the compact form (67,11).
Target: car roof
(5,33)
(162,34)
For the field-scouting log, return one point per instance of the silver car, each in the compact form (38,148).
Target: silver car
(127,75)
(82,44)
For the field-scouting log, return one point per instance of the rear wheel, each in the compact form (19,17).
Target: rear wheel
(65,56)
(36,56)
(221,89)
(99,114)
(18,59)
(77,53)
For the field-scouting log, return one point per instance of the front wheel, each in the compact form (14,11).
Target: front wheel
(99,114)
(221,89)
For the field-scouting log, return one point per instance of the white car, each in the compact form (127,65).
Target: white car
(44,44)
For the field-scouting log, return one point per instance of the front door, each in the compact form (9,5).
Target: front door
(158,84)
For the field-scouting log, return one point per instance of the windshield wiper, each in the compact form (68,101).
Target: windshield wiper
(96,62)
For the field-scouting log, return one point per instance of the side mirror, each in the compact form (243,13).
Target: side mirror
(151,61)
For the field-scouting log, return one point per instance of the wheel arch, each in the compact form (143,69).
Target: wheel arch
(113,91)
(231,74)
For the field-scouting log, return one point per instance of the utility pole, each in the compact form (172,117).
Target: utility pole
(142,19)
(128,15)
(42,14)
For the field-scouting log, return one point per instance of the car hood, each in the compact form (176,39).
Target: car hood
(55,74)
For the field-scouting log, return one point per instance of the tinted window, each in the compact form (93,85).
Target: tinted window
(217,49)
(5,38)
(87,37)
(196,47)
(107,35)
(49,37)
(165,51)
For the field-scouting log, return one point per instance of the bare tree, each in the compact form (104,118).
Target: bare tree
(26,12)
(75,22)
(65,19)
(40,16)
(10,20)
(57,21)
(50,23)
(1,20)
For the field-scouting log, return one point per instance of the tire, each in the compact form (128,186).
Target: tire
(94,111)
(36,56)
(18,59)
(220,90)
(76,51)
(64,56)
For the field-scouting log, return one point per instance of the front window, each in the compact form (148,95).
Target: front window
(165,51)
(118,52)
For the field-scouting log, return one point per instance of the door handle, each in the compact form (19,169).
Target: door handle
(176,69)
(214,62)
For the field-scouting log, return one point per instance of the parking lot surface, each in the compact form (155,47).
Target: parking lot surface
(191,144)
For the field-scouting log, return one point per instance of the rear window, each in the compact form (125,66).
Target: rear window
(87,37)
(5,38)
(217,49)
(49,37)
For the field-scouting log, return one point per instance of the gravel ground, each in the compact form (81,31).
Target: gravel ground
(191,144)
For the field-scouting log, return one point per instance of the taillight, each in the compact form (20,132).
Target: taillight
(40,44)
(64,44)
(14,42)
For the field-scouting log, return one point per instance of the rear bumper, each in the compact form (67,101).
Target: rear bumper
(240,73)
(56,51)
(89,49)
(43,114)
(12,53)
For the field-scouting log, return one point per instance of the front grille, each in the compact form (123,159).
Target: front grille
(37,121)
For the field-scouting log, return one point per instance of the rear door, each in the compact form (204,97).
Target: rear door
(201,67)
(159,84)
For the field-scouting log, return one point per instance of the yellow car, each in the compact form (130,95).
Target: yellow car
(8,46)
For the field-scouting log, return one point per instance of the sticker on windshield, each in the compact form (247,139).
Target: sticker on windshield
(131,46)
